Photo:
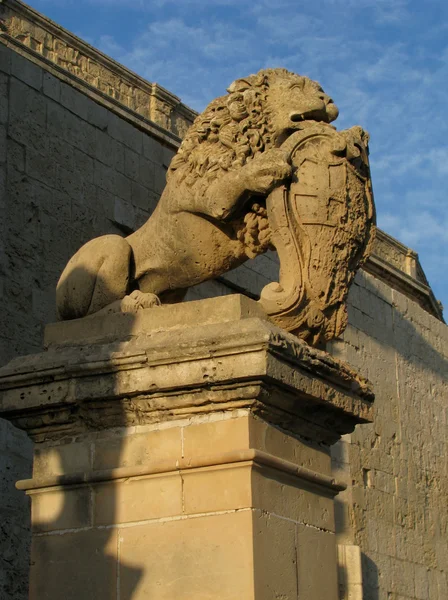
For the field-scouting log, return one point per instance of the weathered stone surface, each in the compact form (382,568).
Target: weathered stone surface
(81,563)
(212,214)
(16,453)
(139,373)
(118,326)
(395,507)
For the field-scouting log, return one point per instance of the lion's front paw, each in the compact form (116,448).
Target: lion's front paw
(143,300)
(138,300)
(263,174)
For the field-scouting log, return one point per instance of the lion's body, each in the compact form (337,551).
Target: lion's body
(208,219)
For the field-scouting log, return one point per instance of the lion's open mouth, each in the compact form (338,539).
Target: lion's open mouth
(296,117)
(315,115)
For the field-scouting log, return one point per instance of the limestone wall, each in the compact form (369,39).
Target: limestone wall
(70,169)
(395,508)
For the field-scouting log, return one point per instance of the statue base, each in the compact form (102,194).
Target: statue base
(182,452)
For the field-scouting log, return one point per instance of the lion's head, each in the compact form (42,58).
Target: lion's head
(258,113)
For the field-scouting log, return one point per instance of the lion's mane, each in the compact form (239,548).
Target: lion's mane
(231,130)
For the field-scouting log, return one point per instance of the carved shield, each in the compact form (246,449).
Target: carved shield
(322,227)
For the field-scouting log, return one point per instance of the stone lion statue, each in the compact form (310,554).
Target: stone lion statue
(211,216)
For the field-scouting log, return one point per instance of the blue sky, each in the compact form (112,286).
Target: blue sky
(385,63)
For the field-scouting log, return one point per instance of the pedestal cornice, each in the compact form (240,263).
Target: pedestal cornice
(163,367)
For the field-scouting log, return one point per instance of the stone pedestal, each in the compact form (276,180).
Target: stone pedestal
(182,453)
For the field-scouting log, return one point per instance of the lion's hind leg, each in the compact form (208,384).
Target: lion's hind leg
(96,276)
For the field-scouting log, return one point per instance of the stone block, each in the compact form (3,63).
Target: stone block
(26,105)
(5,59)
(14,552)
(141,197)
(246,279)
(84,564)
(316,564)
(16,155)
(138,499)
(384,482)
(83,165)
(4,98)
(205,499)
(138,449)
(215,312)
(131,164)
(216,489)
(291,498)
(61,509)
(141,216)
(421,582)
(97,115)
(51,86)
(216,437)
(62,459)
(267,265)
(272,440)
(71,128)
(275,558)
(146,173)
(403,578)
(44,305)
(109,151)
(3,144)
(112,181)
(153,149)
(208,556)
(85,219)
(124,214)
(122,186)
(26,71)
(167,156)
(72,186)
(75,101)
(125,133)
(159,179)
(350,571)
(40,168)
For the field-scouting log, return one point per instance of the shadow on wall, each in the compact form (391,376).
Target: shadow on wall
(16,452)
(75,547)
(358,575)
(370,578)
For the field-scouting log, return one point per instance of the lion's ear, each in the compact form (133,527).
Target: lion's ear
(239,85)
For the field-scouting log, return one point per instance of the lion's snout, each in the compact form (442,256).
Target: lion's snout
(322,111)
(332,111)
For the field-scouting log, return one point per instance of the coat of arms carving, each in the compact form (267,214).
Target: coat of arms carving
(321,225)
